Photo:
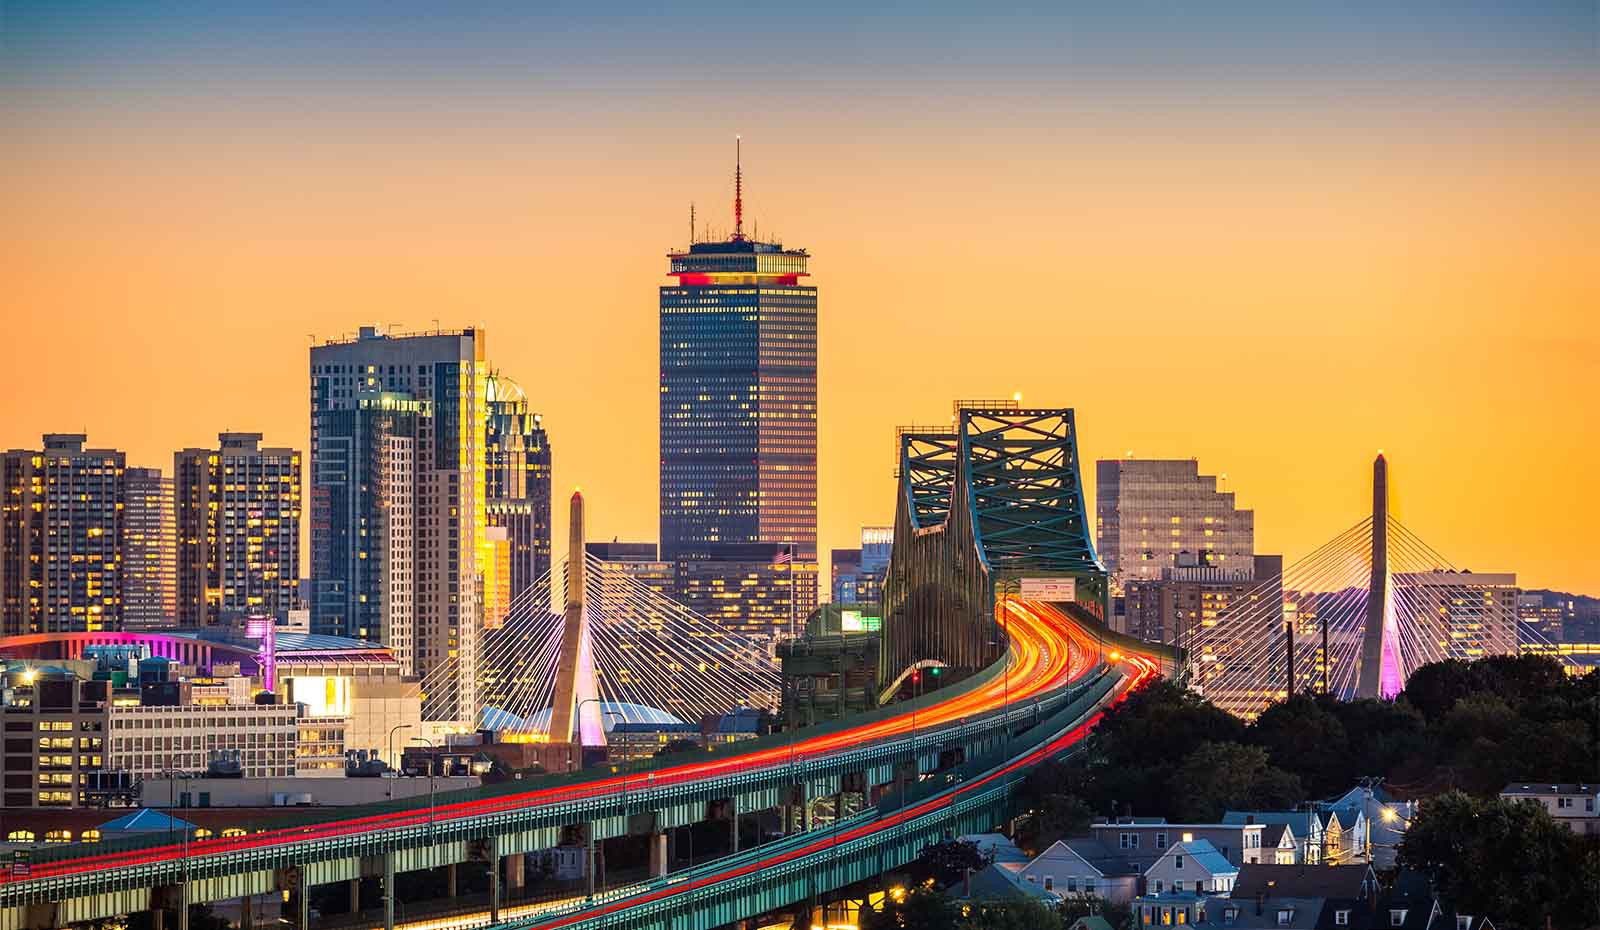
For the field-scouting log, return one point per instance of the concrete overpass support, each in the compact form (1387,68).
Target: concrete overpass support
(516,873)
(658,855)
(388,891)
(493,850)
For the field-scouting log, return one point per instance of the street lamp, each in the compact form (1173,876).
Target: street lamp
(431,763)
(389,792)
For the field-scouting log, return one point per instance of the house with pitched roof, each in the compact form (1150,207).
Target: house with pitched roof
(1081,865)
(1195,866)
(1318,835)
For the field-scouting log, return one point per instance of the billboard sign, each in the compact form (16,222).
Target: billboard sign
(1048,589)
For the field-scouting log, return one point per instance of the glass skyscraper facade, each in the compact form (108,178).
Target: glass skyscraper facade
(738,401)
(448,547)
(517,485)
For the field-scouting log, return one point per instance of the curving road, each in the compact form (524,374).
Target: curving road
(1048,651)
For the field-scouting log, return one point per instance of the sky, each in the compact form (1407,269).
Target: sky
(1272,237)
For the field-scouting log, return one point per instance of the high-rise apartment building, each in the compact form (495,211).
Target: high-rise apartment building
(363,513)
(1155,514)
(61,523)
(738,398)
(444,374)
(1473,614)
(517,482)
(149,551)
(238,521)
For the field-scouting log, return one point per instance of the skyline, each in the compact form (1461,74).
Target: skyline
(1407,267)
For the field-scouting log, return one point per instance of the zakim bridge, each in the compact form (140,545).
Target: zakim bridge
(993,577)
(1353,619)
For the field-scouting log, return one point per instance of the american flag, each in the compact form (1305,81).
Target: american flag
(784,559)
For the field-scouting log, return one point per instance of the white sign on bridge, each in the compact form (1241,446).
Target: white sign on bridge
(1048,589)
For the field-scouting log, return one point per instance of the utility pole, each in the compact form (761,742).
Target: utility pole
(1288,656)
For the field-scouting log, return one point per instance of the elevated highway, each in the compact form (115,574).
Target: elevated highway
(986,514)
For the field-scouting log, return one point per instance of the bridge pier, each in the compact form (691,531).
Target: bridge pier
(247,912)
(183,906)
(302,905)
(355,895)
(493,851)
(658,855)
(450,880)
(516,874)
(388,891)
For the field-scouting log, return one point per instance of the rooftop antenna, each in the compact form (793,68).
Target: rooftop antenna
(691,222)
(738,189)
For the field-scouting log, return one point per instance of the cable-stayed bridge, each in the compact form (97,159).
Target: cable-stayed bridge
(1353,619)
(638,650)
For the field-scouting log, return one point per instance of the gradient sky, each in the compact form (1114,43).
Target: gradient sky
(1271,237)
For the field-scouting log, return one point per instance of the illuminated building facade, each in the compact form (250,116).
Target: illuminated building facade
(738,399)
(1477,611)
(857,574)
(238,522)
(447,372)
(149,551)
(753,589)
(517,482)
(61,524)
(363,529)
(1155,514)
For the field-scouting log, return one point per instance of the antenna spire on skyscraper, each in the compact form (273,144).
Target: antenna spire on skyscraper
(738,189)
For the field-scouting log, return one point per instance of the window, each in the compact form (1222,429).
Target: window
(1463,922)
(1049,883)
(1177,885)
(20,836)
(1161,841)
(1397,917)
(1341,918)
(1177,862)
(1563,803)
(1285,917)
(1229,915)
(1158,886)
(89,836)
(58,836)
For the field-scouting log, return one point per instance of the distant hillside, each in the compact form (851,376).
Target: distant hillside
(1580,601)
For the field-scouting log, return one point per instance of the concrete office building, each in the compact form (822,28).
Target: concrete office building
(149,551)
(238,521)
(61,526)
(1154,514)
(1475,612)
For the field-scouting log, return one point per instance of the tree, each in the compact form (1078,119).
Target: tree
(1119,916)
(947,862)
(1057,816)
(1304,735)
(1013,914)
(921,908)
(1219,776)
(1507,860)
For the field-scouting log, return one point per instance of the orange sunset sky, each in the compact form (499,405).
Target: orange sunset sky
(1276,248)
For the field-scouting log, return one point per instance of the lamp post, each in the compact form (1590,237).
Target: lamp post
(431,763)
(389,791)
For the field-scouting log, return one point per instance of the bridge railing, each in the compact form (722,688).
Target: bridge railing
(770,866)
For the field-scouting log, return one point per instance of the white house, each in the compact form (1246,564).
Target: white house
(1082,866)
(1572,804)
(1195,866)
(1277,841)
